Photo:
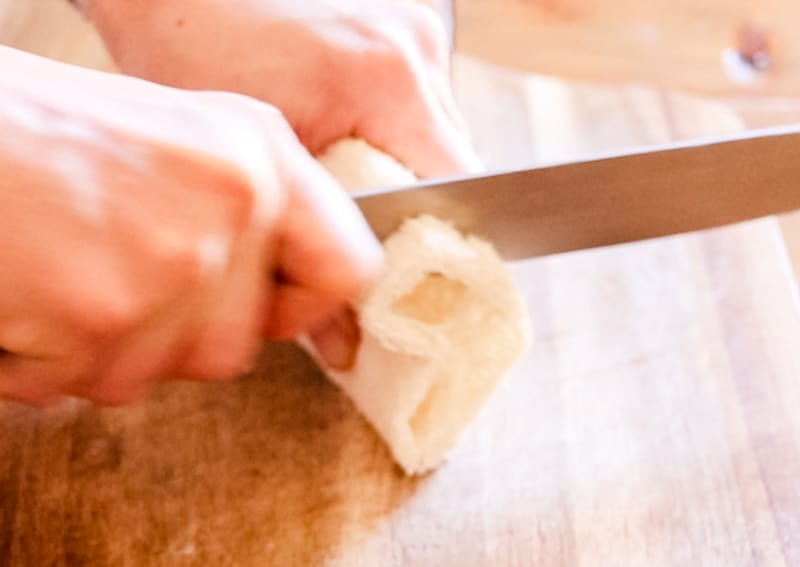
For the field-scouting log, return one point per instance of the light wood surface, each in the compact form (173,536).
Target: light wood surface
(676,43)
(652,423)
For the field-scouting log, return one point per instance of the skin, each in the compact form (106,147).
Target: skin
(159,231)
(151,230)
(374,69)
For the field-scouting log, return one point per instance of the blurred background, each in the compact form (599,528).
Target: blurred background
(741,52)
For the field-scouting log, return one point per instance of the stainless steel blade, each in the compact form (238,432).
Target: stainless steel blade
(609,200)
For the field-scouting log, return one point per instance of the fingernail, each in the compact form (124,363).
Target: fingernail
(337,340)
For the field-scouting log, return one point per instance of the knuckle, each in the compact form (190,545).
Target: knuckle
(178,264)
(256,135)
(395,71)
(238,193)
(247,111)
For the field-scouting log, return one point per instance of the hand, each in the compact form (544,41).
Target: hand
(375,69)
(151,233)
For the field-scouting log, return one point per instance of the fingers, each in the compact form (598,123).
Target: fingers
(326,254)
(322,247)
(26,380)
(37,380)
(297,309)
(42,361)
(139,359)
(229,339)
(204,335)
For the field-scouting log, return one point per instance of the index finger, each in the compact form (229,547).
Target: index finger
(326,253)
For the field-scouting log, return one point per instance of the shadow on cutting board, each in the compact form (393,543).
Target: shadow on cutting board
(274,469)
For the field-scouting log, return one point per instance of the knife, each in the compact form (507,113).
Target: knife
(611,199)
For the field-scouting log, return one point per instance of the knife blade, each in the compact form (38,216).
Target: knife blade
(611,199)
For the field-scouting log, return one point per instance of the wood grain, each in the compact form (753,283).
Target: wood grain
(672,44)
(652,423)
(675,43)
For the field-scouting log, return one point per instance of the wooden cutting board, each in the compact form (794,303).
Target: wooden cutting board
(652,423)
(725,47)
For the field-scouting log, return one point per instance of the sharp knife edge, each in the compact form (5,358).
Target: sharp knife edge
(608,199)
